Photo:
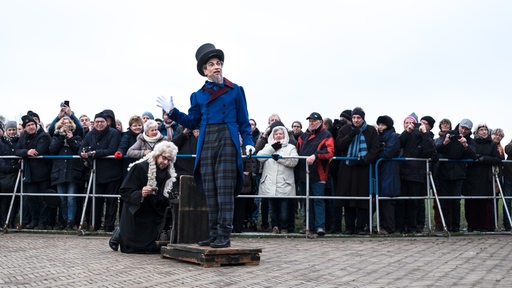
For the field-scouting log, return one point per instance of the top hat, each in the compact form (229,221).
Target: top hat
(206,52)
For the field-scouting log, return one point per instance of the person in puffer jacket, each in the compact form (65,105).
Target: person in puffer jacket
(277,178)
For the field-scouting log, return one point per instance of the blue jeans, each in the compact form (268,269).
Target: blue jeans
(68,203)
(317,206)
(279,212)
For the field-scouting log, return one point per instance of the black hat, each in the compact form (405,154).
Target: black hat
(101,115)
(386,120)
(430,121)
(315,116)
(347,114)
(33,114)
(358,111)
(206,52)
(26,119)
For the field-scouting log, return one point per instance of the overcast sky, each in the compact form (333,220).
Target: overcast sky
(447,59)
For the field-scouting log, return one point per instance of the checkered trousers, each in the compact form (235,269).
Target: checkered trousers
(218,167)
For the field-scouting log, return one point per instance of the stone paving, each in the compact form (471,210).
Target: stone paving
(56,260)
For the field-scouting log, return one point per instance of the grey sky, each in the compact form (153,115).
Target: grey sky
(440,58)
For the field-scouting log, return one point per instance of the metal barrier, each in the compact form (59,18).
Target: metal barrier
(373,190)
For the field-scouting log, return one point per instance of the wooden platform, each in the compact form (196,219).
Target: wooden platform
(212,257)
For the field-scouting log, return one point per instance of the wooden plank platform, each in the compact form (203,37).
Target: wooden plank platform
(212,257)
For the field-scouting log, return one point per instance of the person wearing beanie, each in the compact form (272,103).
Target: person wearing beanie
(389,173)
(318,145)
(147,116)
(219,109)
(359,142)
(428,120)
(456,145)
(479,213)
(36,173)
(416,141)
(102,141)
(11,128)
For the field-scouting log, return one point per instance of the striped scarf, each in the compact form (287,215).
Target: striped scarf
(358,146)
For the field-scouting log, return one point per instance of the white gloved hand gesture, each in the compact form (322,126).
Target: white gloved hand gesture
(249,150)
(167,106)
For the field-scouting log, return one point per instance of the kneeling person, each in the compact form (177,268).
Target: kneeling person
(145,193)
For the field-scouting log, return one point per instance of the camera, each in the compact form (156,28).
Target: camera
(453,135)
(88,150)
(417,125)
(64,103)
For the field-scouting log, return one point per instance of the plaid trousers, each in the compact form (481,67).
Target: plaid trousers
(218,167)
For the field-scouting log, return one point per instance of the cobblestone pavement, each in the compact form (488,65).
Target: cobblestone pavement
(52,260)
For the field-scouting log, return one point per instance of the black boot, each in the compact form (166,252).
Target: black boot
(221,242)
(114,240)
(207,242)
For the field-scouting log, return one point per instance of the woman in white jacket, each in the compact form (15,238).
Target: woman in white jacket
(277,178)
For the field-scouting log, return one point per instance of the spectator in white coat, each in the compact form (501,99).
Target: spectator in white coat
(277,179)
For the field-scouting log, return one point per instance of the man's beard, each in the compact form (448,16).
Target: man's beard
(217,78)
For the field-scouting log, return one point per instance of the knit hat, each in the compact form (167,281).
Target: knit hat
(347,114)
(11,124)
(2,126)
(358,111)
(466,123)
(430,121)
(149,114)
(386,120)
(413,117)
(26,119)
(33,114)
(101,115)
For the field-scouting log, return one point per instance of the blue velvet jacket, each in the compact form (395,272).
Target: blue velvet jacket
(229,108)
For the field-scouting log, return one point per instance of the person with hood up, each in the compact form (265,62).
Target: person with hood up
(277,178)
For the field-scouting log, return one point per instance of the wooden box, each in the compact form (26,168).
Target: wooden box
(212,257)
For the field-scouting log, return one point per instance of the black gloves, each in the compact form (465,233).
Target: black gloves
(277,145)
(275,156)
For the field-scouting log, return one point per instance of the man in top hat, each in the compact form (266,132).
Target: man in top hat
(316,143)
(219,110)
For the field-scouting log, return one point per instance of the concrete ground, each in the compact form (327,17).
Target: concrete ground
(56,260)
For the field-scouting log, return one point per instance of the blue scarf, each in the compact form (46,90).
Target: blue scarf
(358,146)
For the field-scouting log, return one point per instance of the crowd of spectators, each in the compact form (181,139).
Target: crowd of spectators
(277,177)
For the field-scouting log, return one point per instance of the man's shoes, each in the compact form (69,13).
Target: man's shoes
(275,230)
(320,232)
(207,242)
(114,240)
(221,242)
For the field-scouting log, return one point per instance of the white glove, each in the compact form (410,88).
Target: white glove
(249,149)
(167,106)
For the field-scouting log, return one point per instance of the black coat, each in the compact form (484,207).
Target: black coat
(105,143)
(35,170)
(416,145)
(141,221)
(66,170)
(479,173)
(455,151)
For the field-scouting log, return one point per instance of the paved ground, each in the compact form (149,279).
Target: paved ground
(52,260)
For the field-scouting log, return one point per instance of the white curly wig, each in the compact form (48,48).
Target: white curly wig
(169,150)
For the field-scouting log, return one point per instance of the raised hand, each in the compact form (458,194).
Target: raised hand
(166,105)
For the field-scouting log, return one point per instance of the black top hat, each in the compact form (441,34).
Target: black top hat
(206,52)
